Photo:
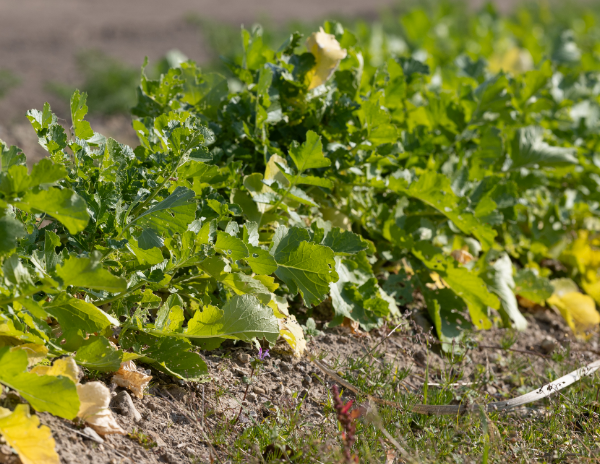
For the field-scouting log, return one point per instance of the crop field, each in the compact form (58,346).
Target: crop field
(347,241)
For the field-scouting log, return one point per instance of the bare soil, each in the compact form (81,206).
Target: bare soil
(179,420)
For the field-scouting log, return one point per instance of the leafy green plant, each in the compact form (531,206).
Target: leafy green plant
(350,179)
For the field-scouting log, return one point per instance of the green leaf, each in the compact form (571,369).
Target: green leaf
(356,294)
(10,231)
(533,287)
(79,109)
(309,155)
(232,247)
(172,215)
(64,205)
(150,257)
(378,122)
(149,239)
(88,273)
(261,261)
(465,283)
(170,355)
(400,287)
(446,309)
(344,241)
(46,393)
(530,150)
(98,354)
(435,190)
(243,317)
(170,317)
(303,266)
(242,284)
(78,318)
(12,156)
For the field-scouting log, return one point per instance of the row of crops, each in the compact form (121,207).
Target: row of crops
(448,164)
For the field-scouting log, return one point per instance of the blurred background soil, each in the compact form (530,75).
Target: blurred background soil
(45,46)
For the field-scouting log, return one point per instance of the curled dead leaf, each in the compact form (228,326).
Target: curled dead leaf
(354,326)
(94,409)
(129,377)
(462,256)
(328,53)
(292,333)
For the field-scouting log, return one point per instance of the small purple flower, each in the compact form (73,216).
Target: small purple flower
(263,354)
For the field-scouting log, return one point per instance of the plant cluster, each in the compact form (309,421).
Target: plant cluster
(353,174)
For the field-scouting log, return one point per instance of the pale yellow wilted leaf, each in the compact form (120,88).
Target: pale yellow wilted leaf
(513,60)
(35,353)
(579,311)
(129,377)
(272,171)
(462,256)
(21,430)
(328,53)
(66,367)
(586,259)
(292,333)
(94,410)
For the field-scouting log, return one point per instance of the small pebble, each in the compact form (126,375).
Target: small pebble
(244,358)
(259,390)
(285,367)
(252,397)
(548,345)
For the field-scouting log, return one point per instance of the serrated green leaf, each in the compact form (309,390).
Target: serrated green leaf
(309,155)
(172,215)
(79,109)
(10,156)
(303,266)
(64,205)
(243,317)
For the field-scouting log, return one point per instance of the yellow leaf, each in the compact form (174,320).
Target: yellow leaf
(35,353)
(328,53)
(95,411)
(586,260)
(21,430)
(65,367)
(129,377)
(579,311)
(514,60)
(292,333)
